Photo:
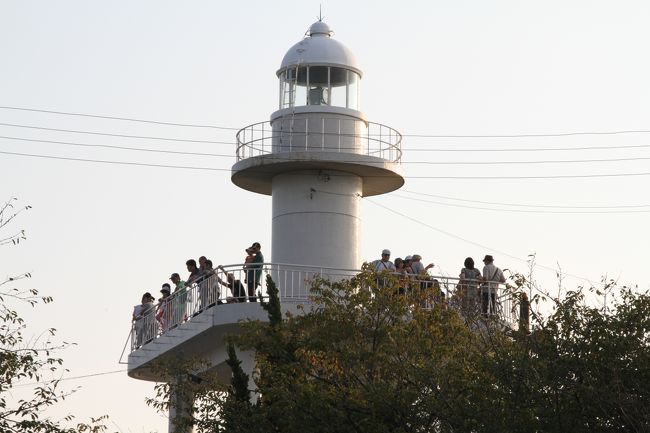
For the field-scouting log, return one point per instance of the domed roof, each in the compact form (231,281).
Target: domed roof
(318,48)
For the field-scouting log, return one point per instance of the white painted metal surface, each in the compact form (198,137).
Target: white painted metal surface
(320,133)
(317,219)
(318,155)
(319,47)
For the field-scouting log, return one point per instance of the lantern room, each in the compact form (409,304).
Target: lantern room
(319,71)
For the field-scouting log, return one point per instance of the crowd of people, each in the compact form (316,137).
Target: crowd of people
(474,288)
(177,302)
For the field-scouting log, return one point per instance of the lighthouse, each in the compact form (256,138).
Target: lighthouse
(318,155)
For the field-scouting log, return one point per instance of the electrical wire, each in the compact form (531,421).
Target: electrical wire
(565,161)
(107,134)
(560,176)
(527,149)
(569,176)
(449,234)
(128,119)
(519,135)
(104,373)
(522,210)
(140,149)
(107,146)
(524,205)
(139,164)
(410,198)
(531,135)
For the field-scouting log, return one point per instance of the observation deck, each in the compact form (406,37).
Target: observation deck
(195,322)
(321,141)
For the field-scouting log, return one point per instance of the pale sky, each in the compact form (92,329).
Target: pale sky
(99,235)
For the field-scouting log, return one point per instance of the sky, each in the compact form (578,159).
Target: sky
(479,90)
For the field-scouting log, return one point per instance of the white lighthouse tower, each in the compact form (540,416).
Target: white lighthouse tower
(318,155)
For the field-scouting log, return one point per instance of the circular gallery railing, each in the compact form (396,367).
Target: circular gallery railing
(229,285)
(320,134)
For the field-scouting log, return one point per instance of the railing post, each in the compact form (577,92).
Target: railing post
(524,314)
(339,125)
(247,148)
(237,145)
(368,136)
(290,138)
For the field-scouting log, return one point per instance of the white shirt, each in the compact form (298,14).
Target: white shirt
(384,266)
(492,273)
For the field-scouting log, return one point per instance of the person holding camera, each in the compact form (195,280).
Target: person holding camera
(253,268)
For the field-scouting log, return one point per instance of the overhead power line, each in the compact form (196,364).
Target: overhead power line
(407,191)
(108,146)
(481,208)
(127,119)
(548,161)
(178,152)
(524,205)
(143,137)
(531,135)
(428,149)
(486,248)
(103,373)
(542,211)
(568,176)
(559,176)
(526,149)
(514,135)
(139,164)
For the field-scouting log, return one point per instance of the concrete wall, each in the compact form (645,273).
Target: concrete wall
(317,218)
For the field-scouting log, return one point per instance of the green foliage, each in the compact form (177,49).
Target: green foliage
(236,410)
(362,358)
(272,307)
(23,363)
(239,378)
(29,363)
(595,364)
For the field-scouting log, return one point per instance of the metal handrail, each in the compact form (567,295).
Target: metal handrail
(378,139)
(294,283)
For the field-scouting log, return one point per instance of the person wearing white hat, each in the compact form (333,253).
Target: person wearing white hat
(384,264)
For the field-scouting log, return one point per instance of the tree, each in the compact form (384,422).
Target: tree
(367,359)
(22,361)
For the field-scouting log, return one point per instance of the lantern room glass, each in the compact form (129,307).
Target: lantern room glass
(319,85)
